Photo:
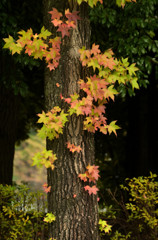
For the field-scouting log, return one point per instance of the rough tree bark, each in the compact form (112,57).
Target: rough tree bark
(76,217)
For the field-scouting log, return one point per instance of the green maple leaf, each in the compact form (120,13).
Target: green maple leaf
(94,63)
(44,33)
(9,41)
(112,127)
(134,83)
(63,117)
(49,218)
(71,111)
(132,69)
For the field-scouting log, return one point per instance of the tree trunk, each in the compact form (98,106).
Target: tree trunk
(8,122)
(76,212)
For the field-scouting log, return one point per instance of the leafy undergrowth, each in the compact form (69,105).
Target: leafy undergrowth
(133,214)
(22,213)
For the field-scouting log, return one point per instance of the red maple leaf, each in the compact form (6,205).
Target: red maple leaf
(93,172)
(64,29)
(55,14)
(72,17)
(100,109)
(86,109)
(91,190)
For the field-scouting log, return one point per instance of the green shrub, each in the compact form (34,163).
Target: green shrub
(136,218)
(21,214)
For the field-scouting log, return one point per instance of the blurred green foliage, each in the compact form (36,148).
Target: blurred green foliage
(131,32)
(22,213)
(133,212)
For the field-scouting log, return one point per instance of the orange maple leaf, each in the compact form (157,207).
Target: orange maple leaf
(73,148)
(55,14)
(46,188)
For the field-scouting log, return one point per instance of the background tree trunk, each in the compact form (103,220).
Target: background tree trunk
(8,123)
(76,217)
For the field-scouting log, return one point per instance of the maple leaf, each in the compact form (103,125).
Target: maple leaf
(100,109)
(83,177)
(103,129)
(95,49)
(93,172)
(55,14)
(92,189)
(64,29)
(70,24)
(51,66)
(93,63)
(68,100)
(56,22)
(46,188)
(14,48)
(86,109)
(55,43)
(135,83)
(112,127)
(49,218)
(44,33)
(73,148)
(72,16)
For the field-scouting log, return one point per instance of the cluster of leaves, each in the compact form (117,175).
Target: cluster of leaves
(104,226)
(35,45)
(143,201)
(92,3)
(73,148)
(45,158)
(136,218)
(22,213)
(101,87)
(53,123)
(91,175)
